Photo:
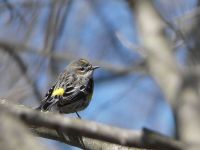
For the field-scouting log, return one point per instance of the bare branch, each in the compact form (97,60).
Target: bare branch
(188,107)
(14,135)
(161,62)
(131,138)
(88,142)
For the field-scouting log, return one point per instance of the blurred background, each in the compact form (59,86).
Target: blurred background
(39,38)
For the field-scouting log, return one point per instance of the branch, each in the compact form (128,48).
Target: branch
(14,135)
(160,58)
(88,142)
(131,138)
(189,104)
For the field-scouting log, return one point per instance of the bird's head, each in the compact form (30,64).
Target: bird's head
(82,67)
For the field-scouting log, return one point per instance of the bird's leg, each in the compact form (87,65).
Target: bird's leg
(78,115)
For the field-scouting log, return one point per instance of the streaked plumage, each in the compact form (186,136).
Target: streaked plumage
(73,89)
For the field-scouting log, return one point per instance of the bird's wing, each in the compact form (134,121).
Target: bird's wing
(72,94)
(51,99)
(46,102)
(49,93)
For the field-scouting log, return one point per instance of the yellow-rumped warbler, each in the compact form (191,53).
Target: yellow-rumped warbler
(73,89)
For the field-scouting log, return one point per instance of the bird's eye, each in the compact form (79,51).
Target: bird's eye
(81,69)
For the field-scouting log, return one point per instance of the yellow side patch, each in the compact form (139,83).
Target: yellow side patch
(59,92)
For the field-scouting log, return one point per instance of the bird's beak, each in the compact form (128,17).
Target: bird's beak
(95,67)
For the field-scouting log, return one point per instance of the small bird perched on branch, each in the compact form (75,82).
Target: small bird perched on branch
(73,89)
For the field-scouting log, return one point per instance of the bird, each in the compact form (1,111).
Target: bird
(73,89)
